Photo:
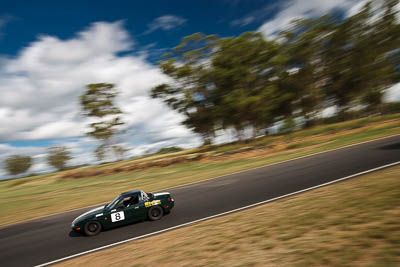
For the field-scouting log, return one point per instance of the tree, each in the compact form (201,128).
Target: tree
(243,71)
(341,62)
(17,164)
(221,83)
(192,93)
(247,81)
(58,157)
(384,56)
(119,151)
(100,152)
(361,57)
(302,77)
(98,103)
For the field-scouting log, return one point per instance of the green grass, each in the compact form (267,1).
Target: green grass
(333,128)
(352,223)
(36,196)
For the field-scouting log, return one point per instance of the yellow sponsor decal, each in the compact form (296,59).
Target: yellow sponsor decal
(152,203)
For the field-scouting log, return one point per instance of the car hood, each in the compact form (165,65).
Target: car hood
(89,213)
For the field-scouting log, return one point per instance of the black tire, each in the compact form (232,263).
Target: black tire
(92,228)
(155,213)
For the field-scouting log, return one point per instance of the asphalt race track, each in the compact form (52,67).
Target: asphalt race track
(50,238)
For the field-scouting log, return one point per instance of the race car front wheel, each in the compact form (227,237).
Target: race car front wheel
(155,213)
(92,228)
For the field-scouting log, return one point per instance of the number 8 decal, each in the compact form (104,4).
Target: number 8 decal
(117,216)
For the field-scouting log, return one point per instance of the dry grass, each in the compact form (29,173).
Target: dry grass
(352,223)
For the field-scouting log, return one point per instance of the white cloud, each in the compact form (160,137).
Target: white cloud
(393,94)
(6,149)
(293,9)
(244,21)
(356,8)
(166,23)
(257,15)
(40,87)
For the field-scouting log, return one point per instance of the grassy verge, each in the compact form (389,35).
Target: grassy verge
(32,197)
(353,223)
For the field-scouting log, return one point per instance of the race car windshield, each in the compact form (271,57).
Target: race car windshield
(113,203)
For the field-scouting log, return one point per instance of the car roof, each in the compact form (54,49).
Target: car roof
(132,192)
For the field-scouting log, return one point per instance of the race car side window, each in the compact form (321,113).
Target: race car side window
(130,200)
(135,199)
(127,201)
(144,196)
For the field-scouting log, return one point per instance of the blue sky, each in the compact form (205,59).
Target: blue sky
(65,18)
(49,51)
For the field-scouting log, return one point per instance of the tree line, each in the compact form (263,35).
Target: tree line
(97,103)
(252,82)
(57,157)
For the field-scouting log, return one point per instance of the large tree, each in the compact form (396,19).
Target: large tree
(192,92)
(98,103)
(302,69)
(58,157)
(17,164)
(221,83)
(341,62)
(382,67)
(243,81)
(243,73)
(360,59)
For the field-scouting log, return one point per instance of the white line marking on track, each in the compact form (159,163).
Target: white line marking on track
(209,179)
(218,215)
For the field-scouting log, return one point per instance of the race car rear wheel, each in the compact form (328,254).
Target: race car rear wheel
(155,213)
(92,228)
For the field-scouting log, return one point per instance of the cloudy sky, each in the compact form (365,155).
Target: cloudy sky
(49,51)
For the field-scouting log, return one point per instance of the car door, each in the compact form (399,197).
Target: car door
(118,217)
(136,212)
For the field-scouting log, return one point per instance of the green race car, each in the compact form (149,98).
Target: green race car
(126,208)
